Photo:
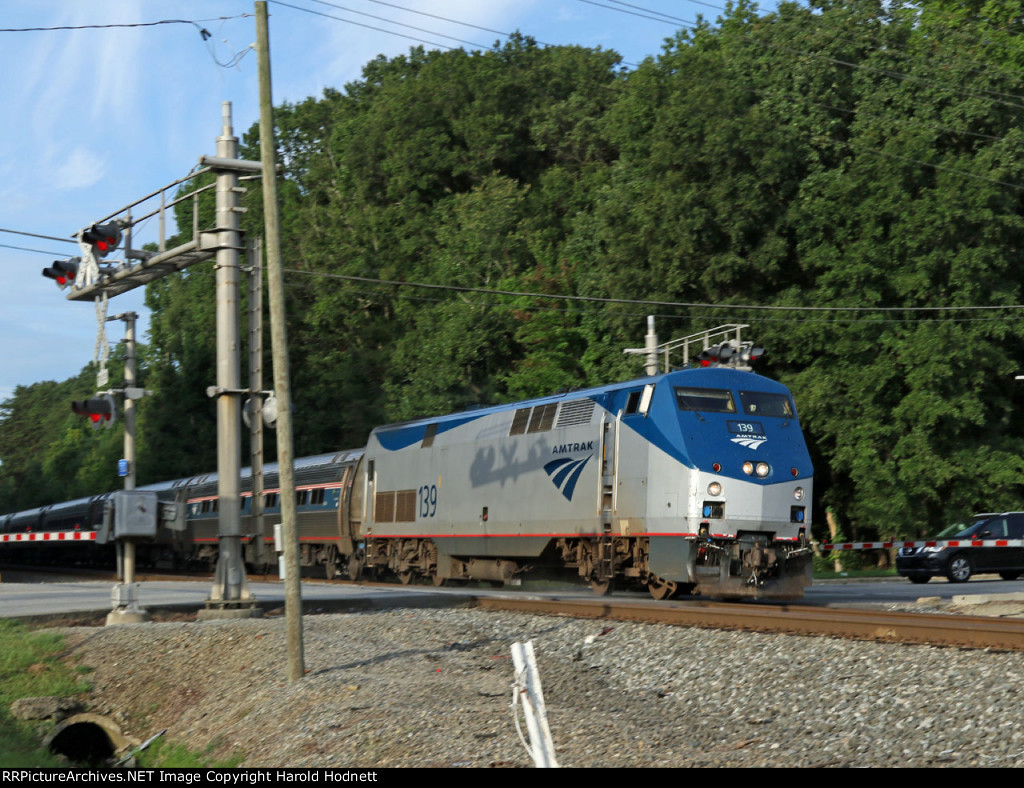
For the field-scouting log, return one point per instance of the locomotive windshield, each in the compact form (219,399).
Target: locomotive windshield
(707,400)
(760,403)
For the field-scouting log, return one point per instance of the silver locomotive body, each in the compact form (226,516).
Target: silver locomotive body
(691,480)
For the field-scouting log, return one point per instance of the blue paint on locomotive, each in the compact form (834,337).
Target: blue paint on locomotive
(695,438)
(565,472)
(699,439)
(401,436)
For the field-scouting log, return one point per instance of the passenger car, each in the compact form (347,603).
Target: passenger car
(958,563)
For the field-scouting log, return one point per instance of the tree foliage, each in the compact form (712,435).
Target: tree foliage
(845,177)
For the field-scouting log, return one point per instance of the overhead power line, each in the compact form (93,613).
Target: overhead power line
(412,27)
(27,249)
(690,316)
(202,31)
(374,27)
(649,303)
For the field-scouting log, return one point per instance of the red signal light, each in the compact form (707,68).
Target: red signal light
(63,271)
(101,411)
(104,238)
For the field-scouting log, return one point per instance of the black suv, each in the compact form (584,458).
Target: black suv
(958,564)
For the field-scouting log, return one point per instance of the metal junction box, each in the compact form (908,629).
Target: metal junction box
(135,514)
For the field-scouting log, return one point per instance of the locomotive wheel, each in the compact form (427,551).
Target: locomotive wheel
(438,580)
(601,587)
(661,589)
(405,577)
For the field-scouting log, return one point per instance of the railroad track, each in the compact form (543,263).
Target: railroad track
(976,632)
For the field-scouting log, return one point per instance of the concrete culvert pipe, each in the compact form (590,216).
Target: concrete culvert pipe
(87,740)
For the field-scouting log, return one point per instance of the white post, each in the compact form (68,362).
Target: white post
(527,689)
(651,346)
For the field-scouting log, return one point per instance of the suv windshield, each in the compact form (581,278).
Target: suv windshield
(760,403)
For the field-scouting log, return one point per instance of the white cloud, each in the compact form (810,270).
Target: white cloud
(81,169)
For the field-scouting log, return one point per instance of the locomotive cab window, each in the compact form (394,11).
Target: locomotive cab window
(760,403)
(706,400)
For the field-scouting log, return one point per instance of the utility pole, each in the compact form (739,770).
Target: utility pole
(229,596)
(125,596)
(279,344)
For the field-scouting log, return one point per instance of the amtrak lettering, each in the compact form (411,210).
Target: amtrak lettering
(747,433)
(750,441)
(573,448)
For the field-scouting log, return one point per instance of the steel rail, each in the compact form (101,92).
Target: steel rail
(980,632)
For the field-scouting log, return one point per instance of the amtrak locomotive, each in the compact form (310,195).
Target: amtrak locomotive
(696,480)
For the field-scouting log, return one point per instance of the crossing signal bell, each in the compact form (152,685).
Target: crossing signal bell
(63,272)
(103,238)
(102,411)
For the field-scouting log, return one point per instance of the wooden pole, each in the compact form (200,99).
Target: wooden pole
(279,346)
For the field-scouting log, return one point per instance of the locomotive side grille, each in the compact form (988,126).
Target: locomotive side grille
(405,506)
(519,422)
(576,412)
(543,417)
(384,507)
(395,507)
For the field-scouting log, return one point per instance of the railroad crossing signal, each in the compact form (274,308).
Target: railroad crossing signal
(727,353)
(102,411)
(103,238)
(719,354)
(63,271)
(752,355)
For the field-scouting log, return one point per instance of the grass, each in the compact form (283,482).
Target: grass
(30,666)
(167,755)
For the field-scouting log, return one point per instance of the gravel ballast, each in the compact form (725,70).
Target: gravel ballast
(415,688)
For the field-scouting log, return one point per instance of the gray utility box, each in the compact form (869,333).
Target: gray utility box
(135,514)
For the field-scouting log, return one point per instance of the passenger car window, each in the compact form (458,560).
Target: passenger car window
(707,400)
(760,403)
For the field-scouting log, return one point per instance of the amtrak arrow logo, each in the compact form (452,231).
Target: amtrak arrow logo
(565,472)
(750,443)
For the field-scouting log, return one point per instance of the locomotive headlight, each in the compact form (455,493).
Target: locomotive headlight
(763,469)
(748,468)
(714,489)
(798,493)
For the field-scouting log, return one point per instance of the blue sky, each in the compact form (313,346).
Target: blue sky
(97,118)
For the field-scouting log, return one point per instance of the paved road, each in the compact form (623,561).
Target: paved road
(57,597)
(27,600)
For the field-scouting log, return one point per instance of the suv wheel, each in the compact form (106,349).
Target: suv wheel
(959,569)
